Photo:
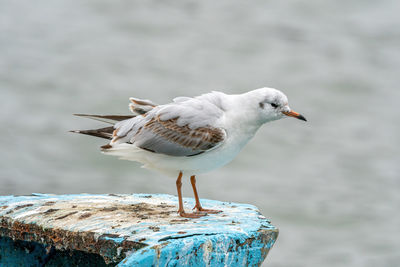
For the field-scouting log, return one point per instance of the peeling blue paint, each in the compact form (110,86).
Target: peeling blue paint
(114,239)
(203,250)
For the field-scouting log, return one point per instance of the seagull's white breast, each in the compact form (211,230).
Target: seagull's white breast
(201,163)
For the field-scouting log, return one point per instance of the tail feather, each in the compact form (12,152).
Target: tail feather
(111,119)
(105,133)
(137,106)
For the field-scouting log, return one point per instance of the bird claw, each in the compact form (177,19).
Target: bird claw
(191,215)
(201,210)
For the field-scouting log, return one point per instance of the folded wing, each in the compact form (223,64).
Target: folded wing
(167,137)
(185,127)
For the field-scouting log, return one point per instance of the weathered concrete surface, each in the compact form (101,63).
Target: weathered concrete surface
(133,230)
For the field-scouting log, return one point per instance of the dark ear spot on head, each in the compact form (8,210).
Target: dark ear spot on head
(261,104)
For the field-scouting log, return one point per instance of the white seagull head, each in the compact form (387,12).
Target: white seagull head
(271,104)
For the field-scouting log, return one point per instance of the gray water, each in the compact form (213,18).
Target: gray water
(331,185)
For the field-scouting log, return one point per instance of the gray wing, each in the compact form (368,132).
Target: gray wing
(167,137)
(181,128)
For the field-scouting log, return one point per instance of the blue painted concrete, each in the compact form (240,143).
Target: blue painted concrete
(33,254)
(21,253)
(239,236)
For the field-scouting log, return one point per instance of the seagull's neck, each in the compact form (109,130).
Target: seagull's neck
(240,116)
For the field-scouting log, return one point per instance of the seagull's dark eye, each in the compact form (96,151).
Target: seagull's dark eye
(274,105)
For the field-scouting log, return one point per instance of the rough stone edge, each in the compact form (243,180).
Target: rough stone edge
(111,251)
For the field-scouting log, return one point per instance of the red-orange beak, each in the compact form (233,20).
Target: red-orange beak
(294,115)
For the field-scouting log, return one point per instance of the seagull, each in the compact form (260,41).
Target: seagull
(190,135)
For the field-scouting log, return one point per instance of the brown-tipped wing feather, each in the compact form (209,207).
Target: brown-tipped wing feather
(140,106)
(111,119)
(167,137)
(105,132)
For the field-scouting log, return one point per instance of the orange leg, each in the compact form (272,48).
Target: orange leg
(181,211)
(198,206)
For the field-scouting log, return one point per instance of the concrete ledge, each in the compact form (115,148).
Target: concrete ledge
(130,230)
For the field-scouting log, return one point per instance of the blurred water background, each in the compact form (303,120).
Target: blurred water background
(331,185)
